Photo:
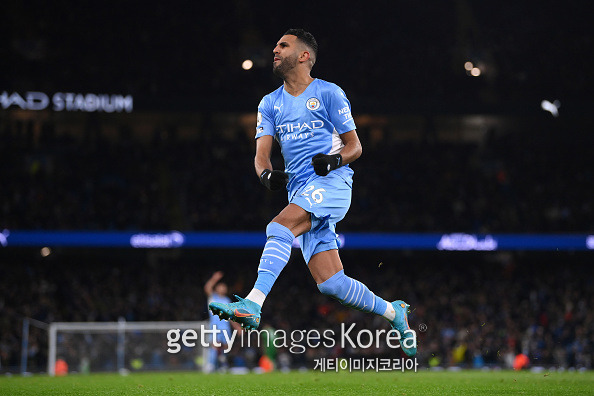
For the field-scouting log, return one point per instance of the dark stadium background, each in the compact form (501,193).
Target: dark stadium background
(443,152)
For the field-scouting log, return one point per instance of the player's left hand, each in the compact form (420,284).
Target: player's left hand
(323,163)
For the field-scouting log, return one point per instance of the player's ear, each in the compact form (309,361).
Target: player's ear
(305,56)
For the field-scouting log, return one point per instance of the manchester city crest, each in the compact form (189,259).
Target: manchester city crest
(313,103)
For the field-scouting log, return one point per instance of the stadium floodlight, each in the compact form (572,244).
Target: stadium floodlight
(552,108)
(247,64)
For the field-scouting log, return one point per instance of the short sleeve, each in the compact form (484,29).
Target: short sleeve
(264,123)
(339,110)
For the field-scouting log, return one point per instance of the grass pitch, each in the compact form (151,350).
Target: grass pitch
(307,383)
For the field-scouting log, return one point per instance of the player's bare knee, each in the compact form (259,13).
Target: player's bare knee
(294,218)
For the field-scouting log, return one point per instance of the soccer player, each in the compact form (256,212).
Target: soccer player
(311,120)
(216,292)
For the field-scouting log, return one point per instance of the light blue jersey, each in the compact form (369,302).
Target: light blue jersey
(306,125)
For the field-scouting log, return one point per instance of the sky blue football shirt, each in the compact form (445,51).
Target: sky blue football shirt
(305,125)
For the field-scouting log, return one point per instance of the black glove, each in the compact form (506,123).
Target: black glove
(323,163)
(273,180)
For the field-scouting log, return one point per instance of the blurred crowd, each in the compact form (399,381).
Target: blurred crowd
(538,180)
(480,310)
(470,310)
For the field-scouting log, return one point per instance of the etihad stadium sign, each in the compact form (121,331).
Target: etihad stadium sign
(68,101)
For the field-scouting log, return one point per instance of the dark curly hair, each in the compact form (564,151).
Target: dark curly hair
(306,38)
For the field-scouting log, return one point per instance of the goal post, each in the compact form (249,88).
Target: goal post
(122,346)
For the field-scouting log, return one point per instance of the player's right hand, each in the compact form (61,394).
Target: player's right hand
(274,180)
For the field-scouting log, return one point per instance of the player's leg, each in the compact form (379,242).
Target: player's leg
(329,199)
(211,363)
(216,356)
(327,271)
(280,233)
(295,218)
(222,358)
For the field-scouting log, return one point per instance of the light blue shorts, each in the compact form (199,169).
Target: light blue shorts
(327,199)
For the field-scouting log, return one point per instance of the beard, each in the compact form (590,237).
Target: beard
(285,66)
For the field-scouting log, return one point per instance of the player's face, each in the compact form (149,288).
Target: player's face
(286,54)
(221,289)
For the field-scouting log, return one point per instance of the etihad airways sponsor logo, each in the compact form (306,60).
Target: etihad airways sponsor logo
(300,127)
(296,136)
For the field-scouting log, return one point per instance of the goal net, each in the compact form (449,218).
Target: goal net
(121,346)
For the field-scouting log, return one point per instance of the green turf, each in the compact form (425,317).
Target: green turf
(307,383)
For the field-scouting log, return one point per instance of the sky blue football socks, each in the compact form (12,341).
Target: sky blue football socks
(354,294)
(275,256)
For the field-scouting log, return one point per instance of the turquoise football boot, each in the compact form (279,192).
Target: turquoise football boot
(244,312)
(400,323)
